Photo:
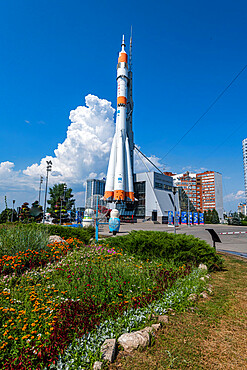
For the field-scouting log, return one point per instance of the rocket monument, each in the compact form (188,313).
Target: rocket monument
(119,182)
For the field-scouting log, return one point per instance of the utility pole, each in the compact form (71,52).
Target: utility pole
(174,190)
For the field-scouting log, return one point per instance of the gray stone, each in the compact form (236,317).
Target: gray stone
(192,297)
(108,349)
(97,365)
(202,266)
(56,239)
(156,326)
(204,295)
(148,329)
(163,318)
(210,288)
(134,340)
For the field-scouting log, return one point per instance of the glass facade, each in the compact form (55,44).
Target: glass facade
(139,189)
(94,187)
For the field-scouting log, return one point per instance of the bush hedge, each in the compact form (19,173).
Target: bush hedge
(179,248)
(67,232)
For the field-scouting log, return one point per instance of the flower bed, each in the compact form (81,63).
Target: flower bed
(67,291)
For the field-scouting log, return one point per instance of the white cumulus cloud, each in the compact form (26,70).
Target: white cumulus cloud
(86,147)
(239,195)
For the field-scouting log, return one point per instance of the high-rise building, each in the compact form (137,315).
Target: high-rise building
(244,147)
(203,189)
(242,208)
(94,187)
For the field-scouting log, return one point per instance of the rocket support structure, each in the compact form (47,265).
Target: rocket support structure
(119,181)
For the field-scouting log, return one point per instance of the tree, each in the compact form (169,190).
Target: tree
(24,215)
(36,212)
(6,214)
(61,200)
(235,219)
(211,217)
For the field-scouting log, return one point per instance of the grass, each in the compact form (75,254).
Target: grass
(212,336)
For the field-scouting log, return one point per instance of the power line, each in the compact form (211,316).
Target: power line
(207,110)
(226,139)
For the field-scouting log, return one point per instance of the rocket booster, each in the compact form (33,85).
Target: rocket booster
(119,181)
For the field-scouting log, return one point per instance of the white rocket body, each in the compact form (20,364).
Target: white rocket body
(119,181)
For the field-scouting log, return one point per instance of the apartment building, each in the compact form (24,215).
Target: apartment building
(242,208)
(203,189)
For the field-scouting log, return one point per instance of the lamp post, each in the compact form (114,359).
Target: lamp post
(61,204)
(188,205)
(48,169)
(174,190)
(63,197)
(12,215)
(41,180)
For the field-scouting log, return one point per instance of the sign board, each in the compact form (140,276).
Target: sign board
(195,218)
(191,218)
(201,218)
(183,218)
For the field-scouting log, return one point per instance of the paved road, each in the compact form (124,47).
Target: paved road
(233,242)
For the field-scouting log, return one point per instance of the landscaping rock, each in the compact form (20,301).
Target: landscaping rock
(192,297)
(134,340)
(156,326)
(148,329)
(97,365)
(202,266)
(56,239)
(108,349)
(204,295)
(210,288)
(163,318)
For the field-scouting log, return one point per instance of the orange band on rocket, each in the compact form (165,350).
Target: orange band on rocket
(121,100)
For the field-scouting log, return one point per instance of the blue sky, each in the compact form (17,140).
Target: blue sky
(55,53)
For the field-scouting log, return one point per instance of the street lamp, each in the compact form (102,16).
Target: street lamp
(12,215)
(174,190)
(48,169)
(41,180)
(188,206)
(62,198)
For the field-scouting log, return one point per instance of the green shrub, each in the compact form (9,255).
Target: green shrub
(244,223)
(178,248)
(67,232)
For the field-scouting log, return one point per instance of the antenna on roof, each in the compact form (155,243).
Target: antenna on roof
(130,53)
